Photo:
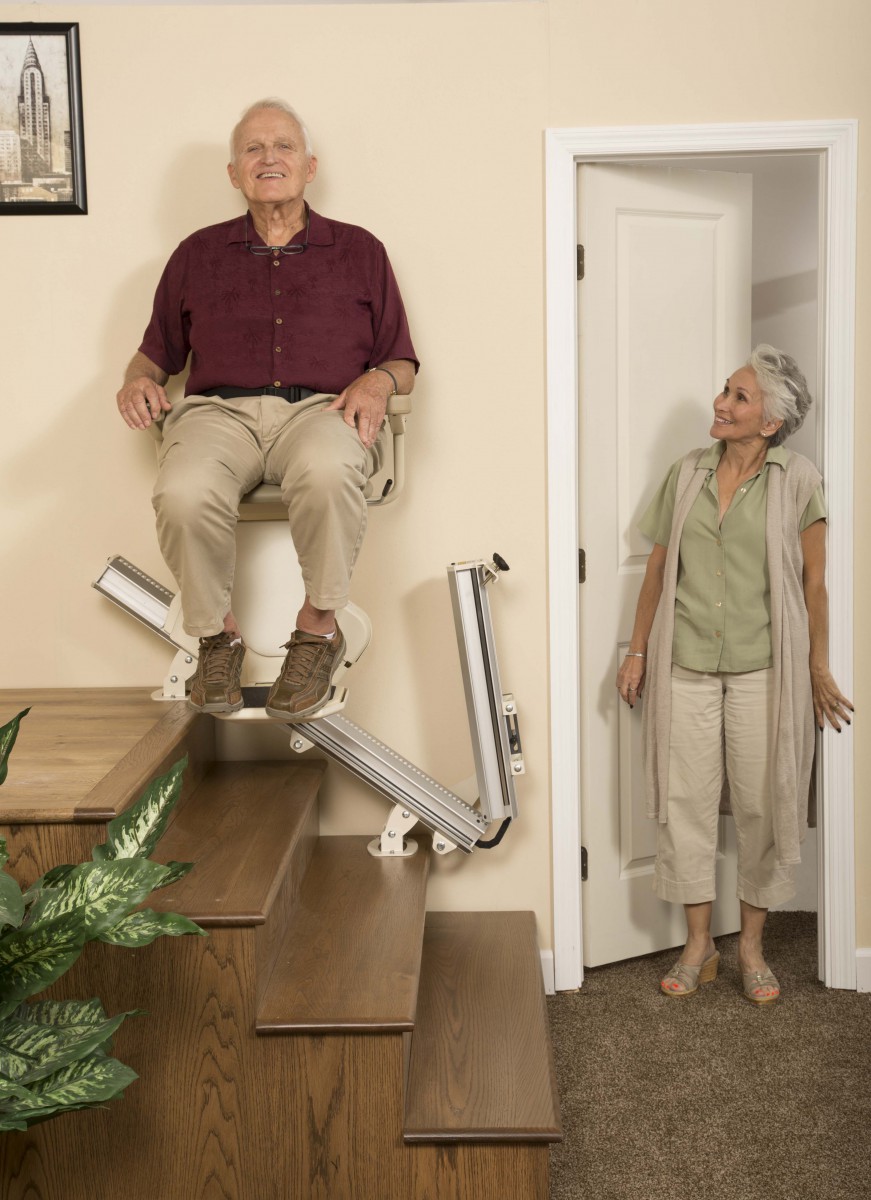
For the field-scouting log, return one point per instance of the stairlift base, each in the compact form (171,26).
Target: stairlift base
(450,816)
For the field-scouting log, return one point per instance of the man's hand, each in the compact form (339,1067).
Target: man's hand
(142,398)
(364,403)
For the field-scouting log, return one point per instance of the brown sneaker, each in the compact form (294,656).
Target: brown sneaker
(216,686)
(304,683)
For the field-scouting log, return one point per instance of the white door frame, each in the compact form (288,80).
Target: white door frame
(837,142)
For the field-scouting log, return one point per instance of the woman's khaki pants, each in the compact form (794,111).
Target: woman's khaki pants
(717,718)
(214,451)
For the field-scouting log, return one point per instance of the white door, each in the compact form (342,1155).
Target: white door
(664,318)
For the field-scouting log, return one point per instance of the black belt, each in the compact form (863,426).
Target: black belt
(292,395)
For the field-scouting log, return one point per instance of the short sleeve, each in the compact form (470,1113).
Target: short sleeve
(815,510)
(167,338)
(659,514)
(392,339)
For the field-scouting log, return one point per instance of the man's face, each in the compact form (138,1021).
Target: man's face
(271,166)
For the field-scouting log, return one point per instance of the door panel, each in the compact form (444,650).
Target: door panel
(664,318)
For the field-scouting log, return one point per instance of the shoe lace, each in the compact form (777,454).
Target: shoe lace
(216,656)
(302,661)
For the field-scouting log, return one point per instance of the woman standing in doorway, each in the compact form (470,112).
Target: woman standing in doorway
(730,648)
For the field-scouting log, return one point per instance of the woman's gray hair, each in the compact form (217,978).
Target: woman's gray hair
(281,106)
(785,395)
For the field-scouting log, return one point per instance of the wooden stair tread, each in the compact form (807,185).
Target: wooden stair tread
(239,826)
(351,955)
(74,738)
(481,1066)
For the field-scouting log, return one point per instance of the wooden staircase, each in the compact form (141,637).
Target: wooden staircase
(328,1040)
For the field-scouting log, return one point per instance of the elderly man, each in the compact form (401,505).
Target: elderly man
(297,338)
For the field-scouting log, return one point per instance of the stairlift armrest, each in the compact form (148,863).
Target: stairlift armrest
(398,408)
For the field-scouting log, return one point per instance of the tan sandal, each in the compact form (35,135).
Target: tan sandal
(684,980)
(755,983)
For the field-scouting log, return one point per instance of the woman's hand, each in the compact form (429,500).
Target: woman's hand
(630,678)
(829,704)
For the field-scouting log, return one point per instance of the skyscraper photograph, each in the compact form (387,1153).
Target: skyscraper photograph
(39,141)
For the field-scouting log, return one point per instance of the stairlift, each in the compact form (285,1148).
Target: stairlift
(264,552)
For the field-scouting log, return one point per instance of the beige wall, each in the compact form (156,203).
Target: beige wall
(428,121)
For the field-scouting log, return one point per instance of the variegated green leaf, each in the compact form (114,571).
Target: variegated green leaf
(92,1080)
(50,879)
(87,1081)
(9,1088)
(62,1012)
(136,832)
(141,928)
(8,1122)
(11,901)
(175,872)
(31,959)
(31,1050)
(97,894)
(8,734)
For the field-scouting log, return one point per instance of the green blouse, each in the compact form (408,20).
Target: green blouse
(722,618)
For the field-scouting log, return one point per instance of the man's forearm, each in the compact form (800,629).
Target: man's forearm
(141,366)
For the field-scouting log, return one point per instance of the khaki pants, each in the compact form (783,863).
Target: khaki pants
(214,451)
(710,712)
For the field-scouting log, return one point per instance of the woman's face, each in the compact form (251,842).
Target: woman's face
(738,410)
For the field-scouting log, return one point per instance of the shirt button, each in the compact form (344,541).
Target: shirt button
(719,604)
(276,383)
(278,291)
(277,349)
(717,633)
(276,262)
(743,489)
(278,321)
(719,542)
(719,572)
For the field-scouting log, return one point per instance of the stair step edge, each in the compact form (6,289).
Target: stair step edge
(481,1065)
(241,827)
(350,958)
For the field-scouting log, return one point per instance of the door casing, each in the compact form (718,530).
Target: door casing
(836,142)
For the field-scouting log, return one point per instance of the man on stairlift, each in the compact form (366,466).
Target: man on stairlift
(297,338)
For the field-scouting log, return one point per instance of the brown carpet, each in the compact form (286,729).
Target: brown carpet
(712,1097)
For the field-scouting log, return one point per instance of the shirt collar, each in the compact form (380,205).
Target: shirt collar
(709,459)
(320,230)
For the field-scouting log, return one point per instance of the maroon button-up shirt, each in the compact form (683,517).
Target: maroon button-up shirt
(317,319)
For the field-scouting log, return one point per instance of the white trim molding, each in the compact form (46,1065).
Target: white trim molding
(836,142)
(547,971)
(863,970)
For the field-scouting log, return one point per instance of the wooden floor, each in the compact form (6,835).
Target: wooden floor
(70,741)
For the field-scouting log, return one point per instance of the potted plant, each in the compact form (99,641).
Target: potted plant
(55,1055)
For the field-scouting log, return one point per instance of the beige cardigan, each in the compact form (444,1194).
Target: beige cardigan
(792,719)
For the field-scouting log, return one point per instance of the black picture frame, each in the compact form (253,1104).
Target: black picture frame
(41,127)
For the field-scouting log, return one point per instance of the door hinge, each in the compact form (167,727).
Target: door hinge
(583,864)
(582,566)
(580,262)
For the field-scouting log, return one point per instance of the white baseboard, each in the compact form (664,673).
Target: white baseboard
(863,970)
(548,975)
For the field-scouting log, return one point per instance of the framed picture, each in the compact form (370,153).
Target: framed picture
(42,145)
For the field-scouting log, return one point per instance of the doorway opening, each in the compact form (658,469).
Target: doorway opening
(803,180)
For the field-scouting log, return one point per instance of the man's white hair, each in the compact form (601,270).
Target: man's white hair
(282,106)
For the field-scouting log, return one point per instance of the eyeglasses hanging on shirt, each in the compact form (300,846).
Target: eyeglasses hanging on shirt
(290,248)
